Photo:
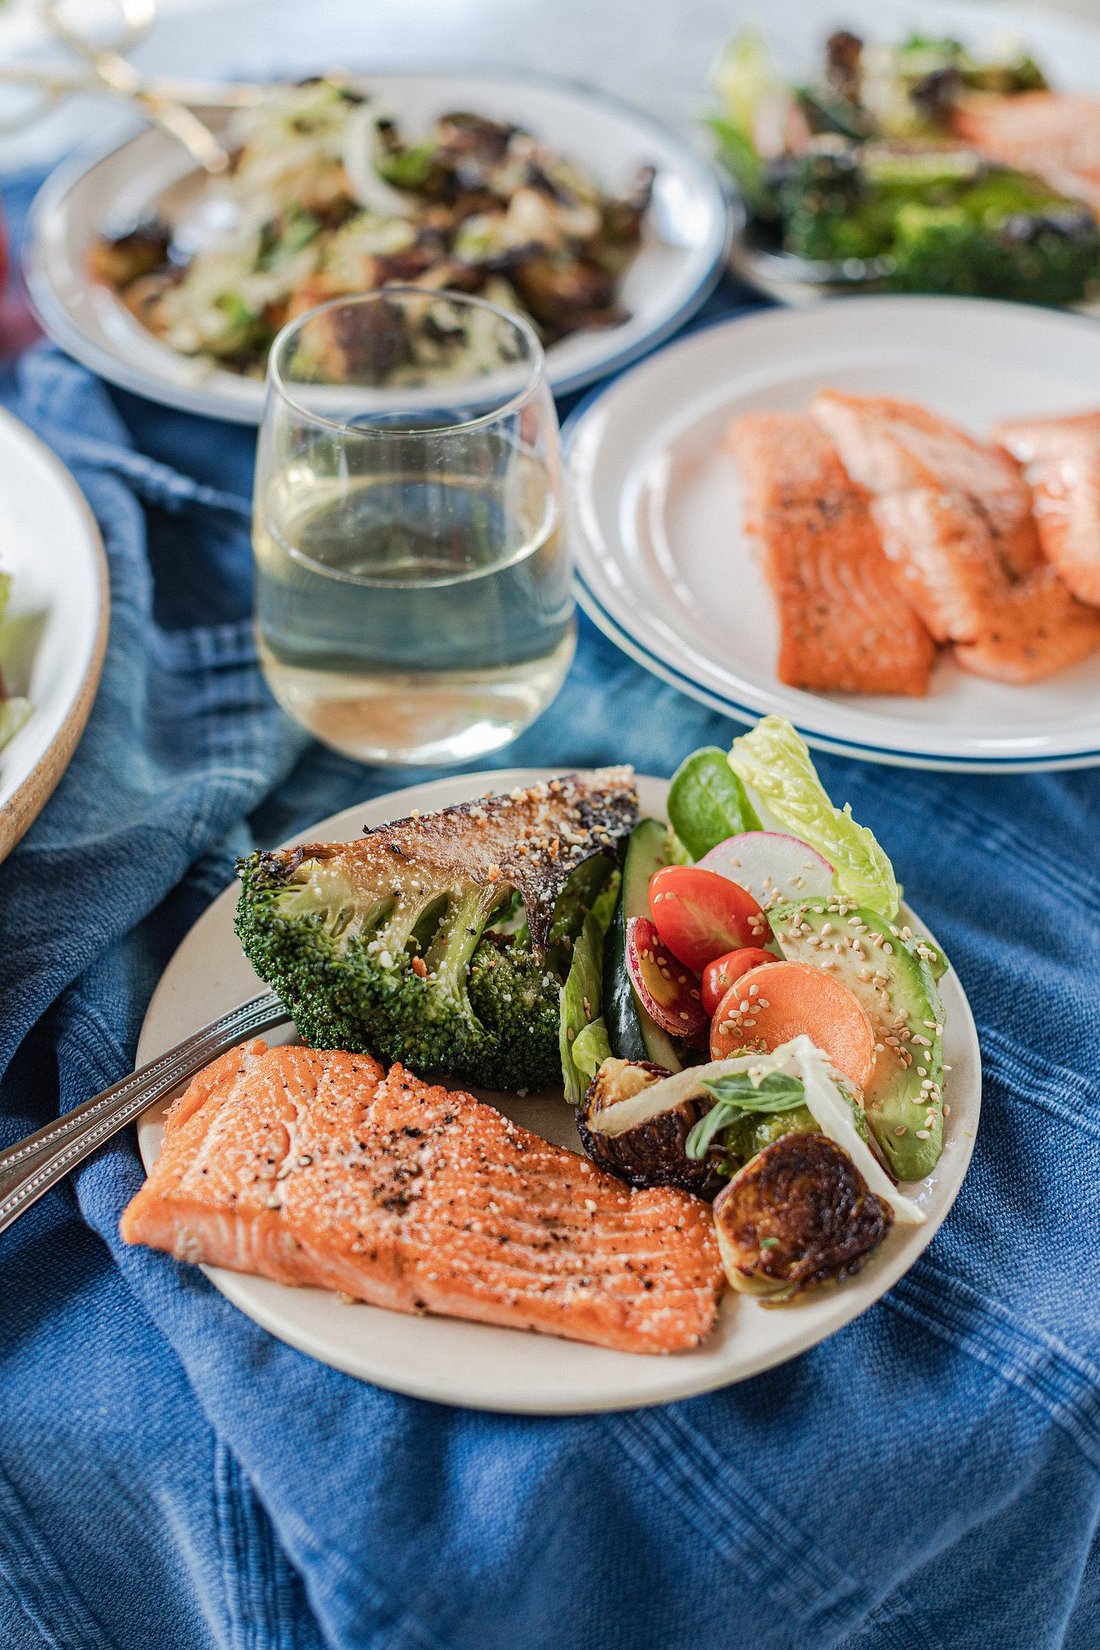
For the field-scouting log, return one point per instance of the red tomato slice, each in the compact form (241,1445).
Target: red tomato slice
(701,915)
(667,991)
(719,975)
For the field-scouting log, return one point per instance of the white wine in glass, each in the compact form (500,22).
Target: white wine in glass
(413,596)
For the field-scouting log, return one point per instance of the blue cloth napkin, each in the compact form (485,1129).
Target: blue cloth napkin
(172,1476)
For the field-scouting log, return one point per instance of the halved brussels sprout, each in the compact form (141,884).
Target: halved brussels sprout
(798,1214)
(650,1153)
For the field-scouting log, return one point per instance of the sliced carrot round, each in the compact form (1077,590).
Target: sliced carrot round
(777,1001)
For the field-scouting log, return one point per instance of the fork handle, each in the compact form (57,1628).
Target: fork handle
(34,1164)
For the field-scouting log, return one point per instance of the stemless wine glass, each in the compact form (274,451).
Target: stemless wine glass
(413,596)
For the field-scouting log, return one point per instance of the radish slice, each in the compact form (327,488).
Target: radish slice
(771,866)
(669,992)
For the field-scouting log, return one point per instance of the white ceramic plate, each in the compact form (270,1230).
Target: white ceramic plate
(509,1369)
(55,629)
(667,571)
(684,243)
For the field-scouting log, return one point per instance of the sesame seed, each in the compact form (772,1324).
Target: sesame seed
(922,1134)
(902,1128)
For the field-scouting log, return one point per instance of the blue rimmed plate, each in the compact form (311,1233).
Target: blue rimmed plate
(665,569)
(684,244)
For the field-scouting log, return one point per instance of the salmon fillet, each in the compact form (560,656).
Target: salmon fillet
(844,626)
(1055,134)
(314,1167)
(1061,460)
(955,520)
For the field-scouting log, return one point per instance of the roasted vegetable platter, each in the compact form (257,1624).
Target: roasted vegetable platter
(170,283)
(796,1160)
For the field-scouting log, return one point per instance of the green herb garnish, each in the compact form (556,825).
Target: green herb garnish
(735,1097)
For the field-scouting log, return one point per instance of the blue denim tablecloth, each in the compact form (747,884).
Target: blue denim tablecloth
(171,1478)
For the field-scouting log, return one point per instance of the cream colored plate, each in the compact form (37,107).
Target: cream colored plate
(55,631)
(510,1369)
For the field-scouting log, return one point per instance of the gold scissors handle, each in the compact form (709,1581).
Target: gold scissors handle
(110,72)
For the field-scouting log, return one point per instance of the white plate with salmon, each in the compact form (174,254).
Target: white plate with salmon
(879,517)
(621,1135)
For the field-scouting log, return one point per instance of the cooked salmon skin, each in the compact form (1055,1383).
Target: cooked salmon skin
(314,1167)
(955,519)
(844,625)
(1061,461)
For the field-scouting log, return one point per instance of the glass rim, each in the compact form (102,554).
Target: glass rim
(536,375)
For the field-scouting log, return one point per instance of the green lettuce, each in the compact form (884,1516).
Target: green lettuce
(581,1027)
(13,711)
(772,761)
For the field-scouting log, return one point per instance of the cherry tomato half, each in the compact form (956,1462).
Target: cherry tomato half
(719,975)
(701,915)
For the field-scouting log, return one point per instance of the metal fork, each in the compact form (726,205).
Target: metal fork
(33,1165)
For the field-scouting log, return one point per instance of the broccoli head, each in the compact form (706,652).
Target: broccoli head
(1036,256)
(405,944)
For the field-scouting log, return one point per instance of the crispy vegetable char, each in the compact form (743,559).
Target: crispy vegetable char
(332,197)
(392,945)
(799,1214)
(655,1154)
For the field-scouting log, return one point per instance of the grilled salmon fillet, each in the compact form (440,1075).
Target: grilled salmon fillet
(1061,462)
(956,523)
(1056,134)
(320,1168)
(844,625)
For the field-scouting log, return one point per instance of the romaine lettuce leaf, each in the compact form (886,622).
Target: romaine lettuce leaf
(581,997)
(13,714)
(772,761)
(13,711)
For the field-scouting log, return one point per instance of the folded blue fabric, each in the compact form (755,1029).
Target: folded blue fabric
(170,1475)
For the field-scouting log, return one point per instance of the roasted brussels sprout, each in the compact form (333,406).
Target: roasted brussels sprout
(797,1215)
(652,1152)
(131,256)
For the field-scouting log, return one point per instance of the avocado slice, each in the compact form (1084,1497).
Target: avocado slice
(880,964)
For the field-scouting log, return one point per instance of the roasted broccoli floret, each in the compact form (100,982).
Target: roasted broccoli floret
(1047,257)
(939,221)
(423,983)
(830,210)
(433,941)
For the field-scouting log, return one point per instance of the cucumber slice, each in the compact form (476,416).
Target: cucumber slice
(631,1031)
